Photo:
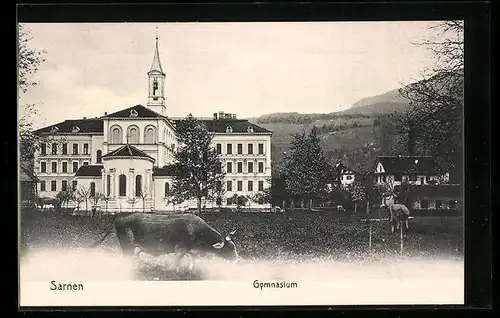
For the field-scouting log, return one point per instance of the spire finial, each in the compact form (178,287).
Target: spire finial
(157,33)
(156,66)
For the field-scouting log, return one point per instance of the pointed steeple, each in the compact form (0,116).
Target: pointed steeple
(156,66)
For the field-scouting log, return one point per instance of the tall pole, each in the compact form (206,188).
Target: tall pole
(370,225)
(401,237)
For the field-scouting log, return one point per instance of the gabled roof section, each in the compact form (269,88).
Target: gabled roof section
(137,111)
(239,126)
(165,171)
(75,126)
(127,151)
(340,169)
(409,164)
(89,171)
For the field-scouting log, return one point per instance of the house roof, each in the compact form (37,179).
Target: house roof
(238,125)
(137,111)
(168,170)
(340,168)
(127,151)
(434,191)
(75,126)
(89,171)
(409,164)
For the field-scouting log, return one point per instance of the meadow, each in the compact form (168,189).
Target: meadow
(262,239)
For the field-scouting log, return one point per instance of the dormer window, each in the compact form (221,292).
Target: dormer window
(229,129)
(133,113)
(250,129)
(54,129)
(75,129)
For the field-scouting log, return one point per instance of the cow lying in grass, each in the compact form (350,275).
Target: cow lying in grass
(157,235)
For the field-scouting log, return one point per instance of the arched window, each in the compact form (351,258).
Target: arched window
(116,135)
(133,135)
(167,189)
(138,185)
(99,156)
(149,135)
(108,185)
(122,181)
(92,189)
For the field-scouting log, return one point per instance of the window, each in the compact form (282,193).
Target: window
(53,185)
(75,149)
(43,186)
(424,204)
(397,177)
(240,167)
(122,180)
(65,167)
(108,185)
(229,148)
(250,167)
(138,185)
(149,135)
(384,178)
(54,167)
(422,180)
(116,135)
(74,185)
(133,135)
(229,186)
(65,149)
(240,185)
(167,189)
(240,149)
(261,185)
(54,149)
(413,177)
(43,167)
(43,149)
(261,149)
(64,185)
(92,189)
(229,167)
(85,149)
(452,204)
(250,149)
(261,167)
(219,148)
(85,163)
(75,167)
(439,204)
(250,185)
(98,156)
(229,129)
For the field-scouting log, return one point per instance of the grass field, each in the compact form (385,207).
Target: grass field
(51,240)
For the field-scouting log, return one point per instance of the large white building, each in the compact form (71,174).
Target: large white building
(126,154)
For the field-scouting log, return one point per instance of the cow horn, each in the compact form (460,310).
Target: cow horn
(232,233)
(218,245)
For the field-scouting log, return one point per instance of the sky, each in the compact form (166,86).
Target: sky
(249,69)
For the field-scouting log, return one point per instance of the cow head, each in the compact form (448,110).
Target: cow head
(226,248)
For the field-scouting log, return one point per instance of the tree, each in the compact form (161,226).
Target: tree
(144,196)
(198,169)
(306,168)
(357,193)
(83,194)
(95,199)
(241,201)
(63,197)
(132,200)
(434,117)
(29,60)
(106,199)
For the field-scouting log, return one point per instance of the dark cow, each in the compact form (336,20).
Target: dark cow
(398,213)
(175,233)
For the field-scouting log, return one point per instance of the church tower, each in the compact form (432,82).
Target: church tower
(156,81)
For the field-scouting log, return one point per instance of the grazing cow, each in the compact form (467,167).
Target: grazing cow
(398,213)
(163,234)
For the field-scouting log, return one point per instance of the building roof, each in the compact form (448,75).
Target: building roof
(156,66)
(137,111)
(434,191)
(168,170)
(238,126)
(409,164)
(127,151)
(89,171)
(75,126)
(339,169)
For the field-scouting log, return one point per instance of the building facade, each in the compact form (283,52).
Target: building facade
(126,155)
